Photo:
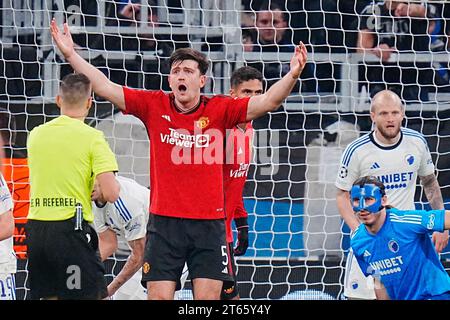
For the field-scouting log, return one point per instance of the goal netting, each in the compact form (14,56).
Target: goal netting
(298,242)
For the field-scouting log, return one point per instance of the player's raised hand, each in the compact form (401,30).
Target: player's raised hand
(62,39)
(298,61)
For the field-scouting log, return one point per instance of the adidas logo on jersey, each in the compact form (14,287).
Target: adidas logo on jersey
(375,166)
(366,253)
(165,116)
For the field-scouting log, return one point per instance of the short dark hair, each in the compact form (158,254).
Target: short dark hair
(182,54)
(7,127)
(370,180)
(271,5)
(75,87)
(244,74)
(249,33)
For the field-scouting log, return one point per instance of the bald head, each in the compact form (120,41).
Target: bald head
(387,113)
(386,98)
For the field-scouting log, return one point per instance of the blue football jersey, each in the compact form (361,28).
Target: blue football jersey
(402,254)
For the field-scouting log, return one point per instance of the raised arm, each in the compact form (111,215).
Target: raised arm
(346,210)
(272,99)
(101,85)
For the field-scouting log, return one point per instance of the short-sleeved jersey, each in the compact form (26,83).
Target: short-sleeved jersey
(235,169)
(403,255)
(128,215)
(396,166)
(8,263)
(64,157)
(186,151)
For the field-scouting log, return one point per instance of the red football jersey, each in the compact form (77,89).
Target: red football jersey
(235,169)
(186,151)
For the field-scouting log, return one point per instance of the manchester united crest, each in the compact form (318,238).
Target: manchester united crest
(146,267)
(202,122)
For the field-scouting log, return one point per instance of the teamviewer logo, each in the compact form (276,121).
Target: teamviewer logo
(202,140)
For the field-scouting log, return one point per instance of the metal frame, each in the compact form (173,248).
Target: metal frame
(201,18)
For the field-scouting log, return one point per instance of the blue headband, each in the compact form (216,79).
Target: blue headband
(366,191)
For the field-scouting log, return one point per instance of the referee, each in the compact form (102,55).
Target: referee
(65,156)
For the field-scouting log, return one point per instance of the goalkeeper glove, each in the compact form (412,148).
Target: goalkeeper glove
(242,243)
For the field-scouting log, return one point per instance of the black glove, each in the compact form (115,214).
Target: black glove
(242,243)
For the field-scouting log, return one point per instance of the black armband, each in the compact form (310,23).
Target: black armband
(100,204)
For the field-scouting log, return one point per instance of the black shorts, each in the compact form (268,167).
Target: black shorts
(230,288)
(64,263)
(173,241)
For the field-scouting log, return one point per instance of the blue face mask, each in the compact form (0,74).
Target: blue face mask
(367,191)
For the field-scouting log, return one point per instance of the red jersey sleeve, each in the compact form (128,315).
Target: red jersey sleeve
(236,111)
(139,102)
(240,211)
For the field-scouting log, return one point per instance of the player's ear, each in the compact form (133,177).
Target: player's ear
(372,116)
(169,80)
(58,101)
(231,92)
(202,80)
(384,201)
(89,103)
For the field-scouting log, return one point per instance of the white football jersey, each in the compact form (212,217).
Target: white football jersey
(8,261)
(128,215)
(396,166)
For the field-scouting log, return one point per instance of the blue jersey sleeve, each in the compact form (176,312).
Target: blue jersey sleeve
(419,221)
(359,249)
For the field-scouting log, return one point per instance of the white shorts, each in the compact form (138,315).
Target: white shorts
(356,284)
(7,286)
(133,289)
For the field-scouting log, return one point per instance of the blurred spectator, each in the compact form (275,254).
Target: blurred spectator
(325,34)
(248,39)
(130,15)
(155,70)
(439,43)
(274,35)
(350,10)
(273,32)
(395,27)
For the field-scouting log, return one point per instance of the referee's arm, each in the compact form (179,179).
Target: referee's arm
(109,186)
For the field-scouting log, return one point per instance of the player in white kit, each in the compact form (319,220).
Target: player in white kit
(8,261)
(125,220)
(397,156)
